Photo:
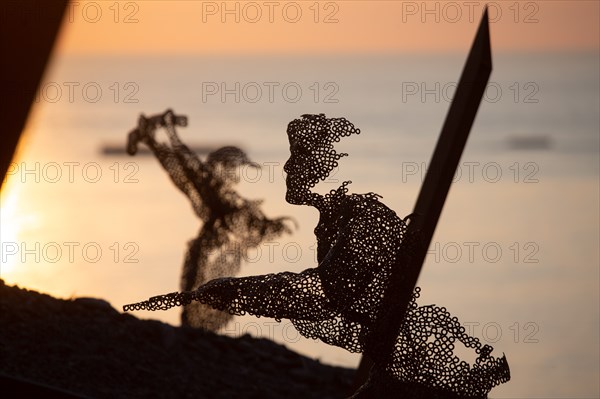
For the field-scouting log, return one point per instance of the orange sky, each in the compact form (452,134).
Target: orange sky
(159,27)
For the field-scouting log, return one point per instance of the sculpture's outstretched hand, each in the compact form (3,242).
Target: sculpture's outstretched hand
(147,127)
(167,301)
(161,302)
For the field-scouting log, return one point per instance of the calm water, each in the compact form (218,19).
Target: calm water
(515,255)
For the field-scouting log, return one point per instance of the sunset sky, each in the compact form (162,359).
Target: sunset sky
(242,27)
(542,90)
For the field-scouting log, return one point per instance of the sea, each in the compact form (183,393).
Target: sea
(515,255)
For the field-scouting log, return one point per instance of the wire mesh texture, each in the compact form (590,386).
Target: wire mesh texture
(231,225)
(360,242)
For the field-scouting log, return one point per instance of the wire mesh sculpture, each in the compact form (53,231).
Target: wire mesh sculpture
(359,242)
(231,224)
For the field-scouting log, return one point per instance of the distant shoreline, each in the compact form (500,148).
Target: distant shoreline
(110,149)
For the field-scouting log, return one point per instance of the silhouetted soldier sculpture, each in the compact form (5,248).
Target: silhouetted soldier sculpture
(231,224)
(339,302)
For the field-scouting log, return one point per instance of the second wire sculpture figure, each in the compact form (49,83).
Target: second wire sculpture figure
(231,224)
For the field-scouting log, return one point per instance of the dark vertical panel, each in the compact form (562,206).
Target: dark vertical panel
(28,29)
(447,153)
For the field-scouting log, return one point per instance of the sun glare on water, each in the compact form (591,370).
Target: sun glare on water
(13,223)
